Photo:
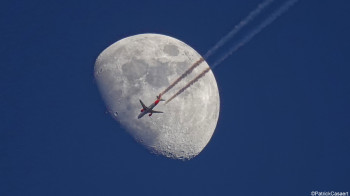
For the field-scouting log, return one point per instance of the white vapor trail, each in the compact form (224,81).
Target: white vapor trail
(238,27)
(221,42)
(271,18)
(241,43)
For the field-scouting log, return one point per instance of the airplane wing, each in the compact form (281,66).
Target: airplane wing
(143,105)
(153,111)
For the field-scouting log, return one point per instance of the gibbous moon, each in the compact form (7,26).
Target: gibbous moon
(142,66)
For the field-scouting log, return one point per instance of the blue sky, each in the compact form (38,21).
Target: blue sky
(284,122)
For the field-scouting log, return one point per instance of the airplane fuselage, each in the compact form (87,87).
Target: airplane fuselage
(148,110)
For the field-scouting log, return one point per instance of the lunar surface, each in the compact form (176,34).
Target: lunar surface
(142,66)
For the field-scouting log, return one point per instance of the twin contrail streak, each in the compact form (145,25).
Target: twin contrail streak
(188,71)
(188,85)
(238,27)
(256,30)
(271,18)
(222,41)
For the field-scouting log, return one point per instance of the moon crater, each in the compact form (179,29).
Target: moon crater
(171,50)
(142,66)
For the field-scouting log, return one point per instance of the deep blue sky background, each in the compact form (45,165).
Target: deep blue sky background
(284,125)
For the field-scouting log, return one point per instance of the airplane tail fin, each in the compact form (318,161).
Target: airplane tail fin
(160,97)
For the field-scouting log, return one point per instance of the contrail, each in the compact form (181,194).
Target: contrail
(241,43)
(188,85)
(222,41)
(188,71)
(255,31)
(238,27)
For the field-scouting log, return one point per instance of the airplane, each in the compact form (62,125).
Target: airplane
(145,110)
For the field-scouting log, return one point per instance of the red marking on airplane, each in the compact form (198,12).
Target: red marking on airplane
(149,110)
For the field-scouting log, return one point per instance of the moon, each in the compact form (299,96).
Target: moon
(142,66)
